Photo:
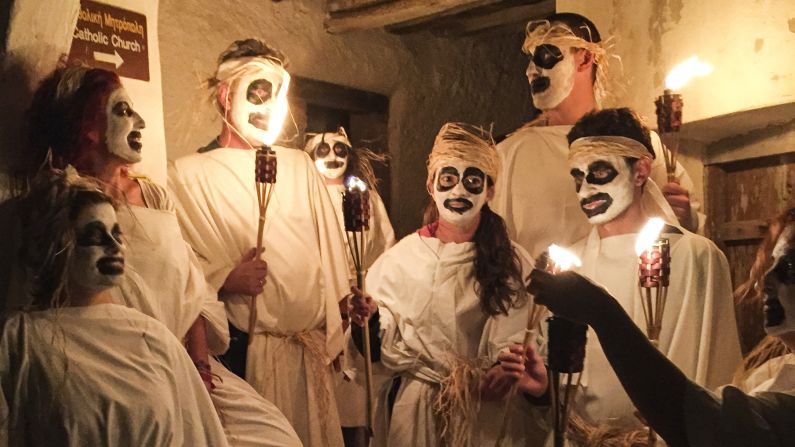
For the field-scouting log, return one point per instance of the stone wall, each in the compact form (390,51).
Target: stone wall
(429,80)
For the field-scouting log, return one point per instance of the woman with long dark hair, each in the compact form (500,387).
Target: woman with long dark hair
(449,300)
(75,368)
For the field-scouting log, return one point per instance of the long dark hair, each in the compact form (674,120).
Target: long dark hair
(498,271)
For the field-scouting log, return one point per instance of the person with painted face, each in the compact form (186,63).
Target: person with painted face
(448,306)
(337,161)
(71,110)
(610,160)
(300,277)
(77,368)
(758,409)
(567,74)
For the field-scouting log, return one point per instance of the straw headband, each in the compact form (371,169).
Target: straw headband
(608,145)
(235,68)
(456,142)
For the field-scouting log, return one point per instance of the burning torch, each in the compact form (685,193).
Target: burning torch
(654,274)
(356,214)
(555,260)
(669,108)
(265,178)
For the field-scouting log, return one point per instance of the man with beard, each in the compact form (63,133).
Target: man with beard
(301,276)
(339,164)
(567,74)
(610,161)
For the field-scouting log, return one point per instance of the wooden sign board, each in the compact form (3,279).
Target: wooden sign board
(111,38)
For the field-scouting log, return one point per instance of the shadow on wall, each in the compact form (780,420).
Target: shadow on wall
(16,91)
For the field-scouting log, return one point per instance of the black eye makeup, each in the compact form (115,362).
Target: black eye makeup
(601,172)
(259,91)
(474,180)
(322,150)
(341,150)
(547,56)
(96,234)
(785,268)
(578,177)
(122,108)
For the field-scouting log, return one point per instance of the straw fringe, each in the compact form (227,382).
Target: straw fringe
(456,403)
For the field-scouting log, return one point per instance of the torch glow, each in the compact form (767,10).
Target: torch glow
(279,112)
(648,235)
(681,74)
(355,183)
(563,259)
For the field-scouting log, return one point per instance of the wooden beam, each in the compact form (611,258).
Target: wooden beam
(514,14)
(397,11)
(347,5)
(742,230)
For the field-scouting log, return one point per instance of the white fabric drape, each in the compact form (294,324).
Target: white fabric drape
(102,375)
(699,333)
(298,332)
(430,315)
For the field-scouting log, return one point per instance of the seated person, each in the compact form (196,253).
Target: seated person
(682,412)
(64,379)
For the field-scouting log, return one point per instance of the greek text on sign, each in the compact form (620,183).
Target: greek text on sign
(111,38)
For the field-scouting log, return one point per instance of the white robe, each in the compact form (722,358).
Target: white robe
(101,375)
(536,196)
(350,387)
(763,417)
(699,332)
(165,281)
(430,314)
(298,331)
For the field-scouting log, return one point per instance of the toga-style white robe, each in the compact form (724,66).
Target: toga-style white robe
(165,281)
(102,375)
(536,196)
(699,332)
(731,418)
(350,388)
(298,331)
(430,315)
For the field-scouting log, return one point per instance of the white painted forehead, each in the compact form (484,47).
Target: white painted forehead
(119,95)
(102,212)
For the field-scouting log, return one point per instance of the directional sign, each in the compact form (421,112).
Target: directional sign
(111,38)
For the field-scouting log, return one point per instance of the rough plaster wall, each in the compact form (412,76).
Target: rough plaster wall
(429,80)
(749,43)
(38,33)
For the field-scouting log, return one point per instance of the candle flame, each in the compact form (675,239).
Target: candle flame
(355,183)
(563,259)
(680,75)
(279,112)
(648,235)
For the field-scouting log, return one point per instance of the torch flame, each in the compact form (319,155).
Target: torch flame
(279,112)
(681,74)
(355,183)
(563,259)
(648,235)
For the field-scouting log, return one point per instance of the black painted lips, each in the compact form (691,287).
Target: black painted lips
(539,84)
(459,206)
(774,311)
(591,212)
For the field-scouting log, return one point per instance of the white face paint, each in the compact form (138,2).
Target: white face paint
(551,75)
(123,133)
(98,259)
(330,152)
(459,191)
(604,185)
(259,103)
(779,286)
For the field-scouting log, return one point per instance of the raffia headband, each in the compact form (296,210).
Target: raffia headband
(607,145)
(456,142)
(235,68)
